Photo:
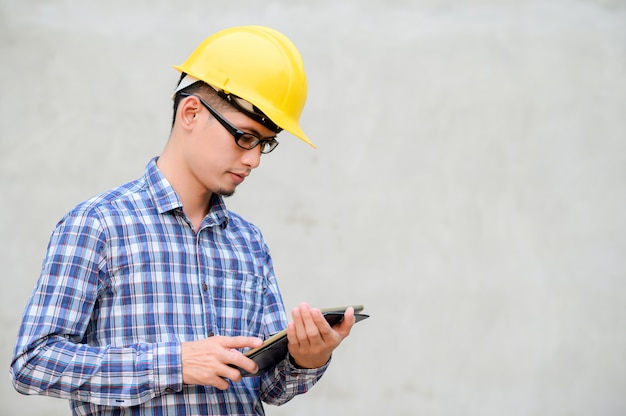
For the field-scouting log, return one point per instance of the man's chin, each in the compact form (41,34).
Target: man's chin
(226,193)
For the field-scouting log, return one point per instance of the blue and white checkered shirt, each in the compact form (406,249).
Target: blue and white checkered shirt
(125,281)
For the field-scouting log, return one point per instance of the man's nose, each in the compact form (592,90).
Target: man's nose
(252,157)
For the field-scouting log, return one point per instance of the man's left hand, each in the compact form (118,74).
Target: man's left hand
(312,339)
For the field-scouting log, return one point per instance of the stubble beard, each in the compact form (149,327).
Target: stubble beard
(225,193)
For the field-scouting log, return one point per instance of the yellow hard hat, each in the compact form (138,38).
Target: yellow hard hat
(259,65)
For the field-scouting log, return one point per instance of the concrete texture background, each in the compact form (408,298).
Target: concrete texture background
(468,186)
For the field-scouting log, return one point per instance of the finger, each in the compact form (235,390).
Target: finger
(220,383)
(229,373)
(291,333)
(239,360)
(240,342)
(231,363)
(300,312)
(319,328)
(349,319)
(298,325)
(308,331)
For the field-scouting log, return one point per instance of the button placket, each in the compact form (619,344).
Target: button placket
(202,268)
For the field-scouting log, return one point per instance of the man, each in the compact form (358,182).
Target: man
(150,292)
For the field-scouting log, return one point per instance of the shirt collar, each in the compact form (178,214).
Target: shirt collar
(166,199)
(218,214)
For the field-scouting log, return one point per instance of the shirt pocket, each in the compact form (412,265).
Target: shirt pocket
(238,300)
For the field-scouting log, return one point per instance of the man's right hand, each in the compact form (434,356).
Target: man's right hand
(207,361)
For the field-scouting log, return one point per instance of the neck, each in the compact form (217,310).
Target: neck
(195,199)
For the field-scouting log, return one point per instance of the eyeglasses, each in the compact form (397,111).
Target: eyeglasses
(242,139)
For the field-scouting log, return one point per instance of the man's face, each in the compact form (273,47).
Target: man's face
(216,163)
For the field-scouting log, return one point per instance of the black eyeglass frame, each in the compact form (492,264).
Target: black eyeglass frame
(249,142)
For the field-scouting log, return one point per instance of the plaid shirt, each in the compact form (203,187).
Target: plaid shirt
(125,281)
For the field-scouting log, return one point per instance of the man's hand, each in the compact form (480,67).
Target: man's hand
(311,339)
(207,362)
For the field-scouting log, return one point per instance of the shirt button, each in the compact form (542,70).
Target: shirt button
(211,333)
(205,287)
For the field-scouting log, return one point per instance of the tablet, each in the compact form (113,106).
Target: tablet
(274,349)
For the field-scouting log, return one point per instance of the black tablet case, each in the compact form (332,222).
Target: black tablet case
(274,349)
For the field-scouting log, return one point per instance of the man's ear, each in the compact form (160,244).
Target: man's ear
(187,113)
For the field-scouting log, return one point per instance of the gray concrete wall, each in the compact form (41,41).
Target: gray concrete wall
(468,186)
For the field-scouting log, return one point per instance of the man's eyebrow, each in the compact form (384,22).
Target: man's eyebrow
(255,132)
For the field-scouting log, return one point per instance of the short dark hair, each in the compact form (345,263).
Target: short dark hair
(204,90)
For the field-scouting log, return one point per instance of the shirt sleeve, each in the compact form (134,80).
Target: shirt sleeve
(285,381)
(51,356)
